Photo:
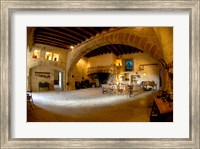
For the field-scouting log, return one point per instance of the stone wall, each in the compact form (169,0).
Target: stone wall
(151,71)
(165,36)
(101,60)
(79,73)
(41,64)
(32,62)
(36,79)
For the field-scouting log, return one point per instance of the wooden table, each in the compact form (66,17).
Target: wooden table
(162,110)
(163,105)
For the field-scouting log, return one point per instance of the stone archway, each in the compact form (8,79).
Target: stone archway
(144,39)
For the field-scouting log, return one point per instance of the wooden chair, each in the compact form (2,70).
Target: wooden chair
(30,103)
(127,90)
(121,89)
(115,89)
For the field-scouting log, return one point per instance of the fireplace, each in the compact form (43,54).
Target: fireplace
(102,78)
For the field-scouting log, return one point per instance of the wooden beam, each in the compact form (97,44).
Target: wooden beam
(94,30)
(52,44)
(48,40)
(116,49)
(91,53)
(104,50)
(128,49)
(113,51)
(56,35)
(83,30)
(54,39)
(148,64)
(57,46)
(120,49)
(88,55)
(56,31)
(74,32)
(96,52)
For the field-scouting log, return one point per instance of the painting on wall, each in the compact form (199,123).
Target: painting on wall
(128,65)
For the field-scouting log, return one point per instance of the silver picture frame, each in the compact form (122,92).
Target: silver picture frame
(9,7)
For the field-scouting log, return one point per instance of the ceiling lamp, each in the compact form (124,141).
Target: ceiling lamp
(144,74)
(71,47)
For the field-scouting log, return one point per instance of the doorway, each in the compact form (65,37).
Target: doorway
(58,80)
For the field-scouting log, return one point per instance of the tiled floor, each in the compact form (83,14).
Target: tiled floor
(90,105)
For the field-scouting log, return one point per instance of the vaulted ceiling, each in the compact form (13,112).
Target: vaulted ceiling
(67,37)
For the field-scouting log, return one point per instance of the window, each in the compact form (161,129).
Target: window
(48,56)
(128,65)
(55,57)
(36,54)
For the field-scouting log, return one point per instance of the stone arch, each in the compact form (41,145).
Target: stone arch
(144,39)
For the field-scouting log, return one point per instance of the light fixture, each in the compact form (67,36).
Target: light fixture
(71,47)
(118,62)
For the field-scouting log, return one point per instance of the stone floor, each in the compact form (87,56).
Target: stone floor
(90,105)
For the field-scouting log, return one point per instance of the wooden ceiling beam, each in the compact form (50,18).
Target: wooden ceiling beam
(94,30)
(107,49)
(74,32)
(56,35)
(110,49)
(99,51)
(88,55)
(116,50)
(120,48)
(59,32)
(96,52)
(49,40)
(91,53)
(129,50)
(113,51)
(83,30)
(52,38)
(52,44)
(104,51)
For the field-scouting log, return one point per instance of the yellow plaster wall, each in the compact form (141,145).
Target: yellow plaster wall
(151,71)
(44,65)
(101,60)
(31,62)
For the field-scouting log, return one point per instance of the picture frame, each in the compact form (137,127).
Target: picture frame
(129,65)
(9,7)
